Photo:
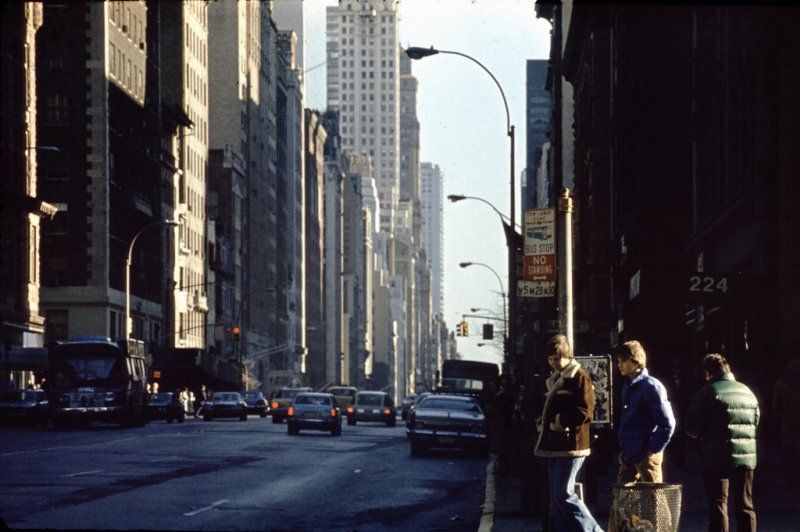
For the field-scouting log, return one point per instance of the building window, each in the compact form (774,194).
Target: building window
(56,325)
(57,110)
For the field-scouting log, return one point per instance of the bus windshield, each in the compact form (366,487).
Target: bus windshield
(88,370)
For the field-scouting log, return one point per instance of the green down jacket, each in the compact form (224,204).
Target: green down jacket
(724,414)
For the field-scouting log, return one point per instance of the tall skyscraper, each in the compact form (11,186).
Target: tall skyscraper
(99,103)
(432,199)
(537,128)
(364,86)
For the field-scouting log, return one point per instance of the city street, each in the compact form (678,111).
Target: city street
(228,475)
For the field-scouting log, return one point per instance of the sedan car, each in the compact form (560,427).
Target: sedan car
(315,411)
(167,406)
(280,402)
(23,406)
(372,406)
(225,404)
(449,421)
(256,403)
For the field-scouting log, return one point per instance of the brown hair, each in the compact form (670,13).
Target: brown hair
(634,351)
(715,364)
(558,345)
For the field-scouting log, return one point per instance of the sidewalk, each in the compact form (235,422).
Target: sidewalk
(776,510)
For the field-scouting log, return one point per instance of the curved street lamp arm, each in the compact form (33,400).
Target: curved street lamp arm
(503,94)
(502,216)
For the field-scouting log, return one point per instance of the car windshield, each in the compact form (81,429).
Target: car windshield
(226,396)
(343,392)
(161,398)
(319,400)
(288,393)
(17,395)
(252,395)
(372,399)
(440,403)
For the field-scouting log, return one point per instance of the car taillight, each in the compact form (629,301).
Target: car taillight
(291,411)
(275,404)
(387,411)
(333,412)
(349,409)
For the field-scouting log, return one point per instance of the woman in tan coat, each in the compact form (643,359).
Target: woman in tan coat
(564,434)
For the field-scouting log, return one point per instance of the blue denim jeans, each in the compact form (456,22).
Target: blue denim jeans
(567,509)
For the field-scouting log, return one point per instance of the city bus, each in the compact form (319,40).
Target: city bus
(91,378)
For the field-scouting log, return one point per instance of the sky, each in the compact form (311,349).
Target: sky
(463,130)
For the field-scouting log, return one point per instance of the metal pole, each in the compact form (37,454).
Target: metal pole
(565,322)
(512,269)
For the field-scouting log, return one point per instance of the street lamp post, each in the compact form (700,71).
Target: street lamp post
(502,293)
(416,52)
(171,223)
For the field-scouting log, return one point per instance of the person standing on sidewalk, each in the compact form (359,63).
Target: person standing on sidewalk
(647,422)
(564,435)
(724,415)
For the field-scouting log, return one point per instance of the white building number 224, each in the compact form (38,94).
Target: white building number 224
(708,284)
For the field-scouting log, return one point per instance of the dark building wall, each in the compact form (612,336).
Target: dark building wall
(685,120)
(61,101)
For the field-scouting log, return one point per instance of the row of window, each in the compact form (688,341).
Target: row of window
(125,71)
(128,21)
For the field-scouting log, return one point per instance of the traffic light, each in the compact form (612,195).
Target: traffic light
(488,331)
(464,328)
(458,329)
(235,330)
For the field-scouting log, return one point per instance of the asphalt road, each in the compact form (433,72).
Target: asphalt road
(232,475)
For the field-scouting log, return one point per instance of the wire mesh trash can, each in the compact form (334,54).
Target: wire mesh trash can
(645,507)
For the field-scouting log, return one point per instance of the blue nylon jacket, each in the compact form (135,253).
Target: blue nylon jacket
(647,421)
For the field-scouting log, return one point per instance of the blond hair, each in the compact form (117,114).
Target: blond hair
(633,351)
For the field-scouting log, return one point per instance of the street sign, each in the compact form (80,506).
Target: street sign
(539,274)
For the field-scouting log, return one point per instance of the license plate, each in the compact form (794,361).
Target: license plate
(310,414)
(446,440)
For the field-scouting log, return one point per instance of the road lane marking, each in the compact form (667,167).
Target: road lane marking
(81,473)
(29,451)
(206,508)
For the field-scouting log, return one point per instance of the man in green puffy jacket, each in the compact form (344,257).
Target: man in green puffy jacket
(724,415)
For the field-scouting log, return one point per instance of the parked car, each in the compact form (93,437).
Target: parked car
(449,421)
(372,406)
(225,404)
(256,403)
(167,406)
(419,397)
(344,395)
(23,406)
(315,411)
(280,402)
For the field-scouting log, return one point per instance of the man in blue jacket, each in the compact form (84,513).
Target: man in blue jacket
(647,422)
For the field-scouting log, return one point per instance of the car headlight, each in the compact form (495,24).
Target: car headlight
(110,397)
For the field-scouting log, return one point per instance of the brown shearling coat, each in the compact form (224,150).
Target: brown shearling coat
(568,410)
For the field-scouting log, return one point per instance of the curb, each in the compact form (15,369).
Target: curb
(487,518)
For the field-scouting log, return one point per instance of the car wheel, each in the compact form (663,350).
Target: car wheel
(276,419)
(351,420)
(291,429)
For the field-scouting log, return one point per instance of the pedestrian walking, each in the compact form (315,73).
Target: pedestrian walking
(724,414)
(786,407)
(500,410)
(564,434)
(183,397)
(647,422)
(201,398)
